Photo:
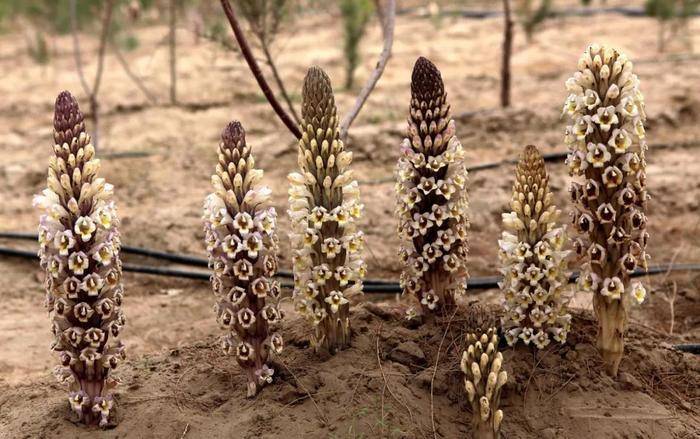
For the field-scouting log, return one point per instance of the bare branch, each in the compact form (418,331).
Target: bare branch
(278,79)
(139,83)
(507,50)
(388,32)
(255,69)
(173,55)
(106,22)
(76,46)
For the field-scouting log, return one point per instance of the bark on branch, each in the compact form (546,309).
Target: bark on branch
(255,69)
(387,18)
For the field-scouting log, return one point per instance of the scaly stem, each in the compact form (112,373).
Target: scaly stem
(612,318)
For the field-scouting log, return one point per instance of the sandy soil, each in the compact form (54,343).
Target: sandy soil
(160,158)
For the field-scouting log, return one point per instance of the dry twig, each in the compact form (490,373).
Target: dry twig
(92,92)
(387,22)
(255,69)
(432,379)
(507,50)
(139,83)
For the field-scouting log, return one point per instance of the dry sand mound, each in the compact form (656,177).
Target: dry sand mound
(382,387)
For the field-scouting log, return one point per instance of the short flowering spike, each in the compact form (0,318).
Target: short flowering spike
(242,245)
(607,149)
(324,204)
(533,260)
(432,197)
(484,378)
(79,249)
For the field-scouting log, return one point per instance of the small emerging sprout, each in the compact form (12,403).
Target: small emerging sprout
(484,378)
(607,149)
(432,197)
(324,204)
(242,246)
(533,260)
(79,247)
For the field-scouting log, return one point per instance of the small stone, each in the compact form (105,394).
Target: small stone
(378,311)
(628,381)
(408,353)
(549,433)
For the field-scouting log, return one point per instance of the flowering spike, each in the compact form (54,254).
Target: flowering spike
(242,245)
(607,148)
(484,378)
(79,250)
(533,260)
(324,204)
(431,197)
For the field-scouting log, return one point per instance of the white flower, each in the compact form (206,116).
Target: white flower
(246,317)
(243,222)
(598,155)
(63,242)
(84,227)
(605,117)
(331,247)
(78,263)
(639,293)
(335,299)
(430,299)
(613,288)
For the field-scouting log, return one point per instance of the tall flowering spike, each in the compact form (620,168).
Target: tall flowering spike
(242,245)
(607,161)
(484,378)
(533,260)
(324,204)
(79,249)
(431,197)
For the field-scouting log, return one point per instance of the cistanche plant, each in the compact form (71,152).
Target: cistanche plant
(242,246)
(324,204)
(607,147)
(483,380)
(431,192)
(533,259)
(79,250)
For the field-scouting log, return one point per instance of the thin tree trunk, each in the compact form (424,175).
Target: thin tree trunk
(507,50)
(173,58)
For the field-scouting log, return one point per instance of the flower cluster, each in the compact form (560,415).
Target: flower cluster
(483,380)
(533,260)
(432,197)
(79,250)
(324,204)
(242,246)
(607,147)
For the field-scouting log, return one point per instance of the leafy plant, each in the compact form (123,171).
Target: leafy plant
(531,16)
(356,15)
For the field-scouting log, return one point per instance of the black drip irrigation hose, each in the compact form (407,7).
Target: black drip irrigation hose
(370,285)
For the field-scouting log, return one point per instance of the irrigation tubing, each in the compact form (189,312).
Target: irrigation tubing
(370,286)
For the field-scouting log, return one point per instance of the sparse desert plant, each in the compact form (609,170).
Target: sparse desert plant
(483,380)
(531,16)
(607,148)
(324,203)
(674,13)
(431,197)
(533,259)
(79,250)
(242,246)
(356,15)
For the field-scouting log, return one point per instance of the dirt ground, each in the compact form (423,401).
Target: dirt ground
(160,157)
